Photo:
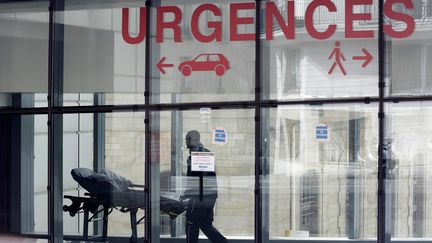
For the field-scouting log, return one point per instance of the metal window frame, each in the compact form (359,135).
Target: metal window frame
(55,120)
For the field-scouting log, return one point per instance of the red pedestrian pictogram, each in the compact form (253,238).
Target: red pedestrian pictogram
(337,55)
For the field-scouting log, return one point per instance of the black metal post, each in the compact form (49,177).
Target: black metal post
(381,221)
(98,149)
(55,123)
(147,167)
(258,129)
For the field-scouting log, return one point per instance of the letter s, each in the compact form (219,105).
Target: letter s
(409,20)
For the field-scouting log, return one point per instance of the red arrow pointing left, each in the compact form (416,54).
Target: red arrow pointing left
(367,58)
(160,65)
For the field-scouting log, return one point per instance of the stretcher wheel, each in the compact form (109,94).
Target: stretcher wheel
(65,208)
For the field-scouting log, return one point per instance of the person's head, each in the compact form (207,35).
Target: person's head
(192,138)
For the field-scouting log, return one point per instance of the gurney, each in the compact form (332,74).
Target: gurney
(107,191)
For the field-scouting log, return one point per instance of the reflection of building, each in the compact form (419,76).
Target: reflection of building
(327,180)
(300,73)
(310,188)
(309,203)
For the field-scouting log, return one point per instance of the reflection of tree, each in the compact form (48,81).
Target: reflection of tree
(421,11)
(390,157)
(337,147)
(282,6)
(370,154)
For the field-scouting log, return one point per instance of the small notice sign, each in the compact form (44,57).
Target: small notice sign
(205,115)
(322,133)
(203,161)
(220,136)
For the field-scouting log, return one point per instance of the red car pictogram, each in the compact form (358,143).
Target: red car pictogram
(205,62)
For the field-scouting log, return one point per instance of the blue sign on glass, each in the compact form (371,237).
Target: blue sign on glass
(220,136)
(322,132)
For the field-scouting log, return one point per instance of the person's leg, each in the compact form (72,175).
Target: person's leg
(212,233)
(192,232)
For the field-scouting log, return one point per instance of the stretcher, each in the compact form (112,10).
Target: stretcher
(106,192)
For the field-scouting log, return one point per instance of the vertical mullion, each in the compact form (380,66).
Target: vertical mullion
(147,187)
(50,81)
(176,155)
(258,142)
(152,124)
(381,234)
(55,125)
(98,148)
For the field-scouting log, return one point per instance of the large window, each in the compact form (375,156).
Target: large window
(408,169)
(409,58)
(322,171)
(203,71)
(103,143)
(24,53)
(298,64)
(160,121)
(229,135)
(97,60)
(24,169)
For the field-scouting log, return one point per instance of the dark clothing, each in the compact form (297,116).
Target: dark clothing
(199,213)
(200,216)
(211,232)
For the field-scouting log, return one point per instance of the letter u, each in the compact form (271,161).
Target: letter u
(142,26)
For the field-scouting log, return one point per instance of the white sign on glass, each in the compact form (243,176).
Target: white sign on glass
(203,161)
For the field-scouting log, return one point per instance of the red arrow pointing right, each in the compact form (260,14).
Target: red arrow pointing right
(160,65)
(367,58)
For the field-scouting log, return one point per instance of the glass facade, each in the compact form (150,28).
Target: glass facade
(24,48)
(223,121)
(231,77)
(297,65)
(234,162)
(321,187)
(120,138)
(407,170)
(96,59)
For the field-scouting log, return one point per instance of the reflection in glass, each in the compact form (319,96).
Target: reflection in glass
(229,134)
(300,66)
(108,149)
(408,69)
(407,152)
(217,69)
(24,52)
(23,170)
(322,173)
(97,60)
